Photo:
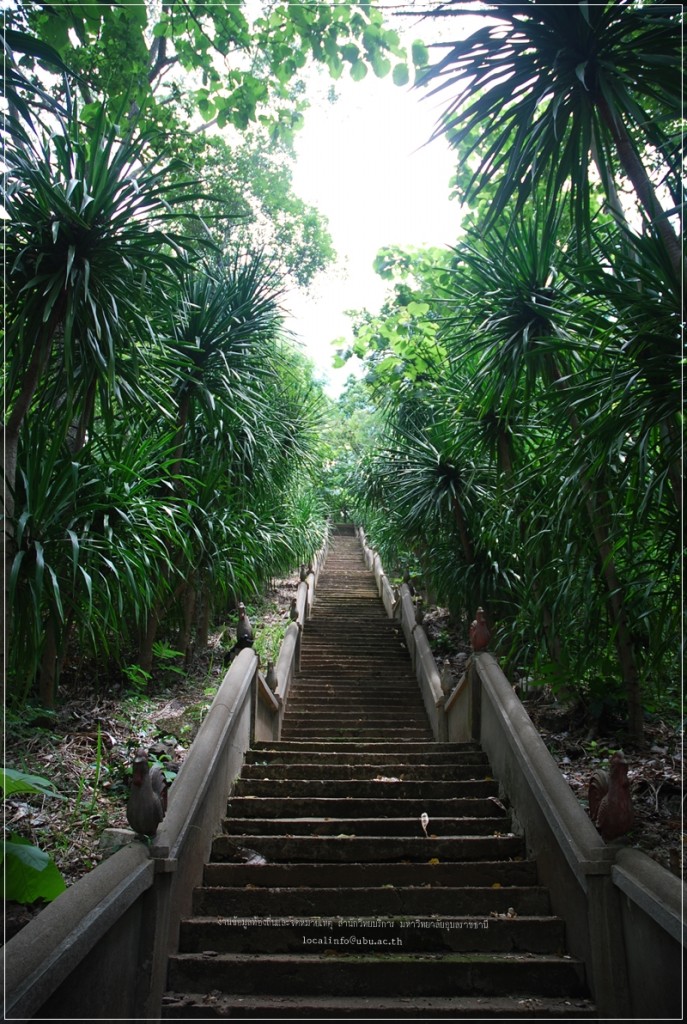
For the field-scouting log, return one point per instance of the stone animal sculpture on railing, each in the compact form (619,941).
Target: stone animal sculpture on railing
(479,632)
(244,635)
(610,800)
(148,797)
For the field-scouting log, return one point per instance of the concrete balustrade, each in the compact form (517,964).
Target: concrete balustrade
(104,942)
(267,711)
(415,639)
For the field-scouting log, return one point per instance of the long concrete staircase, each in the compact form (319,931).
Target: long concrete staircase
(330,894)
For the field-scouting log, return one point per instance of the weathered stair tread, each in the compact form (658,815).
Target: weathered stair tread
(353,807)
(204,1006)
(365,772)
(357,788)
(382,746)
(283,934)
(376,973)
(439,827)
(356,848)
(309,902)
(382,759)
(483,873)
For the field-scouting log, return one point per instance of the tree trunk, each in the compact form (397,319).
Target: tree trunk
(671,441)
(11,430)
(145,650)
(78,429)
(616,602)
(188,608)
(505,461)
(461,523)
(203,618)
(642,184)
(469,555)
(48,672)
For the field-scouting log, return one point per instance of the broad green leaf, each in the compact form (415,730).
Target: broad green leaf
(29,873)
(420,54)
(13,781)
(400,74)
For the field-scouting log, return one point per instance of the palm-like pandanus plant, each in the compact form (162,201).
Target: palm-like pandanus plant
(88,240)
(543,91)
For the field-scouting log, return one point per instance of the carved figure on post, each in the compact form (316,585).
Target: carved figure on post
(610,800)
(148,798)
(479,632)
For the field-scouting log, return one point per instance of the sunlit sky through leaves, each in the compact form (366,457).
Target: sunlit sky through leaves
(364,163)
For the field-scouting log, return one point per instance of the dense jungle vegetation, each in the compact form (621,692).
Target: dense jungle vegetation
(527,382)
(516,436)
(163,435)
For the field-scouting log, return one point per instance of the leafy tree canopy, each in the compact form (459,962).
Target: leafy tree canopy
(230,63)
(252,181)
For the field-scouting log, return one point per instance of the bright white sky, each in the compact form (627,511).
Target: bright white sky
(363,163)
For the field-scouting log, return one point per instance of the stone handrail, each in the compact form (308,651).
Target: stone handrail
(415,639)
(288,660)
(623,912)
(100,950)
(114,928)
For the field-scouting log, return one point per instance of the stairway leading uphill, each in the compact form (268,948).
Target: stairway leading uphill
(329,894)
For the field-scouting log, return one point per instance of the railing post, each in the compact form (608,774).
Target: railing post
(254,702)
(480,635)
(606,938)
(442,720)
(159,901)
(476,699)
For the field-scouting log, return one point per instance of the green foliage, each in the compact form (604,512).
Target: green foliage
(163,427)
(541,89)
(530,466)
(29,874)
(14,782)
(252,182)
(529,379)
(234,66)
(242,64)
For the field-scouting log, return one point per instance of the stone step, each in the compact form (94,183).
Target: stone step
(397,691)
(385,758)
(364,706)
(383,746)
(370,902)
(366,666)
(382,633)
(359,807)
(373,972)
(280,849)
(353,732)
(438,827)
(364,772)
(216,1006)
(284,934)
(358,788)
(355,719)
(488,874)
